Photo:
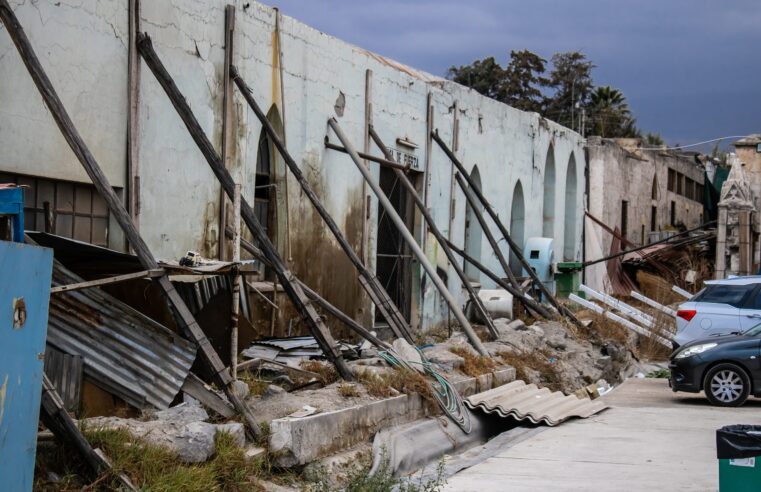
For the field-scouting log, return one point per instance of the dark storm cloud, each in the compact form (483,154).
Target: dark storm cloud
(691,69)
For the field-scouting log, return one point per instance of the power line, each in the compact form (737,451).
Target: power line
(694,144)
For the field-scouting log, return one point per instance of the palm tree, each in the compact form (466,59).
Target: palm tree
(611,116)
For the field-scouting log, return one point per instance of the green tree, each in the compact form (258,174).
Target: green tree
(571,81)
(485,76)
(654,139)
(609,114)
(523,81)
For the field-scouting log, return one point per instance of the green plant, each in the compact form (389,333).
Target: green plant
(659,374)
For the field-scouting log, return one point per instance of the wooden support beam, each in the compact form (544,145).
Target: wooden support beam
(193,386)
(287,279)
(57,419)
(412,192)
(503,230)
(185,319)
(227,123)
(369,281)
(133,115)
(531,304)
(237,280)
(106,281)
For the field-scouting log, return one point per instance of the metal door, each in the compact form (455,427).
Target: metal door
(25,273)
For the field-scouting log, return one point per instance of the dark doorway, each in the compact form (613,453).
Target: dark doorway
(393,259)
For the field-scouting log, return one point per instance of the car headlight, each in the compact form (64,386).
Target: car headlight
(695,350)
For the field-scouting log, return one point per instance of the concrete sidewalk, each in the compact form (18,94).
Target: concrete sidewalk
(651,439)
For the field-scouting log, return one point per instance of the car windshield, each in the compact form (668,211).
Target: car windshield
(753,332)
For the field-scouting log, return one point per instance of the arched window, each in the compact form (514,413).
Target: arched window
(548,200)
(654,191)
(517,226)
(473,232)
(569,226)
(263,184)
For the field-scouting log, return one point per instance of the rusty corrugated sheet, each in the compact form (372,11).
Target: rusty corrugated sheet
(539,405)
(124,352)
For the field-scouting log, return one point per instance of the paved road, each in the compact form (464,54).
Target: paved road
(650,439)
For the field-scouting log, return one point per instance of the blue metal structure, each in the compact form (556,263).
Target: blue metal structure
(540,256)
(25,275)
(12,204)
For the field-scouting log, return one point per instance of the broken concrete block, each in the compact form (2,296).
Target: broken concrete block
(254,453)
(272,390)
(184,413)
(241,389)
(408,353)
(236,431)
(444,358)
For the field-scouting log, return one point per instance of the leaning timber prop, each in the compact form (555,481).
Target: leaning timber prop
(369,282)
(287,279)
(503,230)
(412,192)
(527,301)
(409,239)
(186,320)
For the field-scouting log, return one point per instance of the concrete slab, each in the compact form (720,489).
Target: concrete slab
(651,439)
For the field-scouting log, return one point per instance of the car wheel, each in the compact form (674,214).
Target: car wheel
(726,385)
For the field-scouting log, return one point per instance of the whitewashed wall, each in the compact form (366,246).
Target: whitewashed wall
(83,47)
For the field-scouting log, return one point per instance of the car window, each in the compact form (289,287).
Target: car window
(754,302)
(754,332)
(725,294)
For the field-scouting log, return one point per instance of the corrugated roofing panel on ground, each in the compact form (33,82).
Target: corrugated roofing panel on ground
(125,352)
(539,405)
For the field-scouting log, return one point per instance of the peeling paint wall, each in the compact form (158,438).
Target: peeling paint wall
(320,76)
(619,173)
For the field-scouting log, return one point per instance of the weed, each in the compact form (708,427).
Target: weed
(659,374)
(377,386)
(538,361)
(348,390)
(400,381)
(326,373)
(475,365)
(150,467)
(256,385)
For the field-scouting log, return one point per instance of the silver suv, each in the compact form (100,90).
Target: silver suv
(722,307)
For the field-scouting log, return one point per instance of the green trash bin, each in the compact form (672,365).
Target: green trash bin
(738,448)
(567,278)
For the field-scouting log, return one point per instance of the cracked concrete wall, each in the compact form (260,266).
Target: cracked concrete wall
(180,195)
(619,173)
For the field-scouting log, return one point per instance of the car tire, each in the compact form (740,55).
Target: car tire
(726,385)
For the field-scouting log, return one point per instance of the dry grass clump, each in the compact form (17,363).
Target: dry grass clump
(326,373)
(348,390)
(148,466)
(475,365)
(604,329)
(256,385)
(400,381)
(538,361)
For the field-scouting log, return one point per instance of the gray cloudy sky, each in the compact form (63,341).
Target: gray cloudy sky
(691,69)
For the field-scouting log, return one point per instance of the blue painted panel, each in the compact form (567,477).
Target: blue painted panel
(25,273)
(12,204)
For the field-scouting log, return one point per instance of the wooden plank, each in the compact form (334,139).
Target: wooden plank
(106,281)
(237,279)
(133,115)
(294,291)
(227,123)
(193,386)
(118,211)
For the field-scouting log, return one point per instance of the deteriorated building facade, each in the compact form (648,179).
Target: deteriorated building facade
(531,169)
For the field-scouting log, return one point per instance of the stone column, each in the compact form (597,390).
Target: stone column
(744,235)
(721,243)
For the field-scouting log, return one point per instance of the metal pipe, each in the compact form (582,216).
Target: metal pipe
(409,239)
(439,237)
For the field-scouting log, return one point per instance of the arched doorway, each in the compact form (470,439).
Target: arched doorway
(473,232)
(548,195)
(569,226)
(517,226)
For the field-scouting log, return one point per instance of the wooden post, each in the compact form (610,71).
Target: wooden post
(366,148)
(227,125)
(369,282)
(133,115)
(236,285)
(407,185)
(287,279)
(117,209)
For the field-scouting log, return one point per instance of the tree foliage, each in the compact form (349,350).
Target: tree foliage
(566,94)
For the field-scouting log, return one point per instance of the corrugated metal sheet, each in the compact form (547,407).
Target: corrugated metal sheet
(65,372)
(125,352)
(539,405)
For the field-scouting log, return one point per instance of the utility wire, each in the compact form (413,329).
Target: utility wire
(694,144)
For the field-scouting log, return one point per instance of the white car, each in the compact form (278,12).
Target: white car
(722,307)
